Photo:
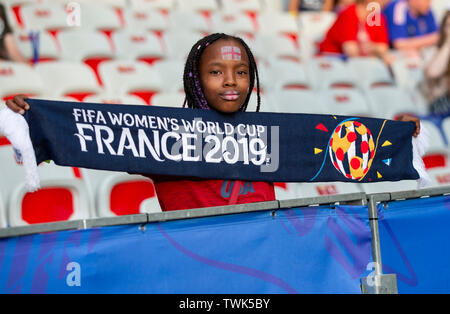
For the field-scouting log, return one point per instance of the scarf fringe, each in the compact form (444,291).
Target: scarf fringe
(420,146)
(15,128)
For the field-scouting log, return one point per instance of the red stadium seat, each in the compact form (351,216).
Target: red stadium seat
(123,194)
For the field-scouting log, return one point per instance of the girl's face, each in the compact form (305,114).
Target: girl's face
(224,75)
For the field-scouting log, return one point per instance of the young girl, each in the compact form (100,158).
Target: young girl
(220,74)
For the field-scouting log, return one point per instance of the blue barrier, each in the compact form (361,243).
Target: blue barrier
(304,250)
(415,243)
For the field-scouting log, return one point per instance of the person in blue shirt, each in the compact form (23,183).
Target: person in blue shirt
(411,24)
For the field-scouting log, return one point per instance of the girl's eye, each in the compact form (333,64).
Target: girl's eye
(214,72)
(242,72)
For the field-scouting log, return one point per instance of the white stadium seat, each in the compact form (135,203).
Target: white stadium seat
(286,191)
(68,78)
(344,101)
(190,21)
(277,23)
(96,16)
(198,5)
(152,4)
(327,188)
(371,72)
(180,42)
(389,186)
(40,16)
(285,74)
(241,6)
(48,47)
(130,77)
(408,72)
(18,78)
(297,101)
(171,74)
(315,25)
(329,73)
(146,20)
(276,46)
(137,45)
(3,215)
(174,100)
(233,23)
(387,102)
(435,137)
(79,45)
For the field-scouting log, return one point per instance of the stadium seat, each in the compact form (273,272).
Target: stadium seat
(236,6)
(123,194)
(56,200)
(388,102)
(63,181)
(148,20)
(436,139)
(446,128)
(439,176)
(70,79)
(18,78)
(314,25)
(130,77)
(389,186)
(120,100)
(90,47)
(439,7)
(198,5)
(190,21)
(265,105)
(328,72)
(371,72)
(109,3)
(297,101)
(95,16)
(174,99)
(277,23)
(233,23)
(150,206)
(43,16)
(137,45)
(153,4)
(327,188)
(48,48)
(3,215)
(344,101)
(286,190)
(180,42)
(171,74)
(408,72)
(276,46)
(285,74)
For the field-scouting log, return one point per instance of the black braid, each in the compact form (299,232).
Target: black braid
(195,97)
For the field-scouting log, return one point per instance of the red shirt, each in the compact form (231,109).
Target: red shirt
(347,27)
(176,193)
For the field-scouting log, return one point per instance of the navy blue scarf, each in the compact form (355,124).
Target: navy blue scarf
(271,147)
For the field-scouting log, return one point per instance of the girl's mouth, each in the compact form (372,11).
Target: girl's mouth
(230,96)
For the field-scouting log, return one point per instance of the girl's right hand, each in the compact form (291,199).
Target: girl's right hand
(18,104)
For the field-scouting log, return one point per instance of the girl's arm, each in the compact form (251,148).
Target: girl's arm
(438,65)
(12,49)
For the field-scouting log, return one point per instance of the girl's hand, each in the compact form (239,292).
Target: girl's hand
(18,104)
(408,118)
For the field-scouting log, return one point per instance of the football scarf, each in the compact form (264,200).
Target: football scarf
(272,147)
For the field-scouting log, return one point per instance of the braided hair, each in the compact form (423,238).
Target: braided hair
(195,98)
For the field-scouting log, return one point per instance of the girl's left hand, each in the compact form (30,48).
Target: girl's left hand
(408,118)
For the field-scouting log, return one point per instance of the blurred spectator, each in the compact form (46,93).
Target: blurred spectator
(8,47)
(310,5)
(437,71)
(357,32)
(411,25)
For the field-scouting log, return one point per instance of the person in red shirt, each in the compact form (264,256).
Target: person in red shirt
(359,30)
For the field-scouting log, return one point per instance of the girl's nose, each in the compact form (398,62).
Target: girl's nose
(230,79)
